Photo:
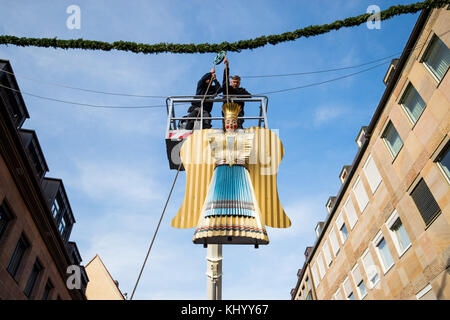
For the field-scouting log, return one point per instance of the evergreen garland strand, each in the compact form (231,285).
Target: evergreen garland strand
(224,46)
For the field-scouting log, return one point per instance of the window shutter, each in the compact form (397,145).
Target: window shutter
(315,276)
(334,242)
(338,295)
(372,174)
(425,202)
(393,139)
(327,254)
(361,195)
(413,103)
(340,220)
(321,266)
(369,266)
(347,287)
(351,213)
(438,58)
(357,277)
(444,160)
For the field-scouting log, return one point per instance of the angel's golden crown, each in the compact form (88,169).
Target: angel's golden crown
(231,110)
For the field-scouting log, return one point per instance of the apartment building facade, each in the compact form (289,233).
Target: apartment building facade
(35,214)
(387,232)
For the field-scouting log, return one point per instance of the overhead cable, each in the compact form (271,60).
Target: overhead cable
(82,104)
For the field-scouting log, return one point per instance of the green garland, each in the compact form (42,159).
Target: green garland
(224,46)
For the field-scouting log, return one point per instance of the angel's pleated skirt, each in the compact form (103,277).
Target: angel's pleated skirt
(230,214)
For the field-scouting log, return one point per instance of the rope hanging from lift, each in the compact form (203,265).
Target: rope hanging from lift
(170,193)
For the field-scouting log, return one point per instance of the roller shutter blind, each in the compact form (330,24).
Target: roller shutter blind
(372,174)
(425,202)
(361,196)
(351,213)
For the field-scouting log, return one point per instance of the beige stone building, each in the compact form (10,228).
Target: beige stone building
(387,233)
(101,285)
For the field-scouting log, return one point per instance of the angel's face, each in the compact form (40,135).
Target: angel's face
(230,124)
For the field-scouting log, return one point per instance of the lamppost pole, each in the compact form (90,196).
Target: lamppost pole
(214,272)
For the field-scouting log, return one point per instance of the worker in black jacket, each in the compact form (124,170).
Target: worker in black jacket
(234,89)
(203,88)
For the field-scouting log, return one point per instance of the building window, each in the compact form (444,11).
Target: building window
(338,294)
(370,268)
(425,202)
(47,290)
(308,287)
(413,103)
(16,258)
(9,102)
(62,226)
(359,282)
(334,242)
(443,161)
(32,278)
(362,289)
(344,232)
(372,174)
(348,289)
(315,275)
(383,252)
(56,207)
(398,232)
(437,57)
(321,266)
(5,217)
(327,254)
(392,139)
(65,226)
(352,217)
(342,228)
(360,194)
(36,161)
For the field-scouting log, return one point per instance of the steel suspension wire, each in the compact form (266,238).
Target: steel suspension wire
(79,103)
(154,236)
(163,97)
(167,201)
(322,82)
(81,89)
(320,71)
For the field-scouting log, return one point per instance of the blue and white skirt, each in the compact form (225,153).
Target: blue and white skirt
(230,193)
(230,213)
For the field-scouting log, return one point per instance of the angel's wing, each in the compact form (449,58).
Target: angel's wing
(199,166)
(263,165)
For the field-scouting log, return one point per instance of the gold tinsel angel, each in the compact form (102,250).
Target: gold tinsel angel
(231,183)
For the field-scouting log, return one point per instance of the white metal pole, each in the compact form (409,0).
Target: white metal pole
(214,272)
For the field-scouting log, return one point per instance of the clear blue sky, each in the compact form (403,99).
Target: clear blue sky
(113,162)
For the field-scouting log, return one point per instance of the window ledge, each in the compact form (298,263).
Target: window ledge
(404,251)
(395,157)
(438,82)
(433,219)
(443,173)
(373,285)
(386,270)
